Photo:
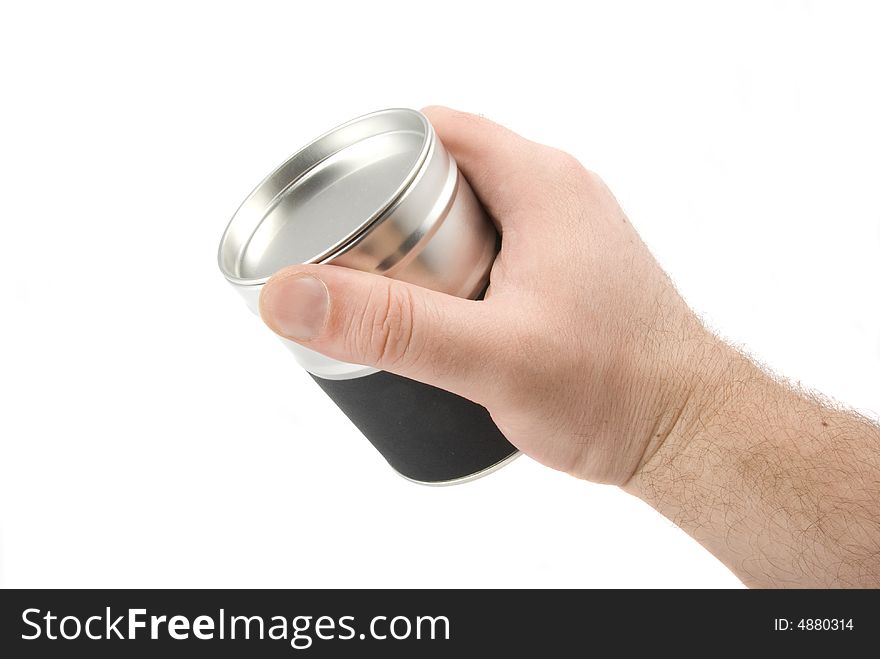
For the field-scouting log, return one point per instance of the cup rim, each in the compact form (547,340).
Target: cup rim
(247,218)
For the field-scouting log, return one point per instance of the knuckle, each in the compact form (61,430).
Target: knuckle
(567,162)
(569,169)
(593,183)
(559,161)
(574,182)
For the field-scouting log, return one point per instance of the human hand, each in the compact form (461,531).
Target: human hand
(590,362)
(582,351)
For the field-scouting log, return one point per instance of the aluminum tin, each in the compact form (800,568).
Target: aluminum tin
(379,194)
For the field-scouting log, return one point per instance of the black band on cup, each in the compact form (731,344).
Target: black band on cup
(427,434)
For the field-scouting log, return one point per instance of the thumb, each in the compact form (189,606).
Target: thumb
(369,319)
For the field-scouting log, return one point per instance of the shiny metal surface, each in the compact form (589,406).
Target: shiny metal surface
(325,195)
(380,194)
(470,477)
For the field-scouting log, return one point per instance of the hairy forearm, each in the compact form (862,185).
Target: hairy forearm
(780,486)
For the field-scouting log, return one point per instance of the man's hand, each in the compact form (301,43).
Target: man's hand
(591,363)
(582,350)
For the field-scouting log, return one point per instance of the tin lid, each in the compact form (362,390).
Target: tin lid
(326,195)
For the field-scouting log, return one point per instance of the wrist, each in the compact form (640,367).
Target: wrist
(703,378)
(768,479)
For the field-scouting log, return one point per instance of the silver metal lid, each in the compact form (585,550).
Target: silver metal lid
(321,200)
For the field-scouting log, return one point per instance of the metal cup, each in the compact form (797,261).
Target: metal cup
(379,194)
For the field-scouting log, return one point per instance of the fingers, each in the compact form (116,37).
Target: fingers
(368,319)
(498,163)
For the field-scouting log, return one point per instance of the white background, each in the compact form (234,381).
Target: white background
(154,433)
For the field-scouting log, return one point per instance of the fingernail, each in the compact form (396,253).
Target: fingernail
(295,307)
